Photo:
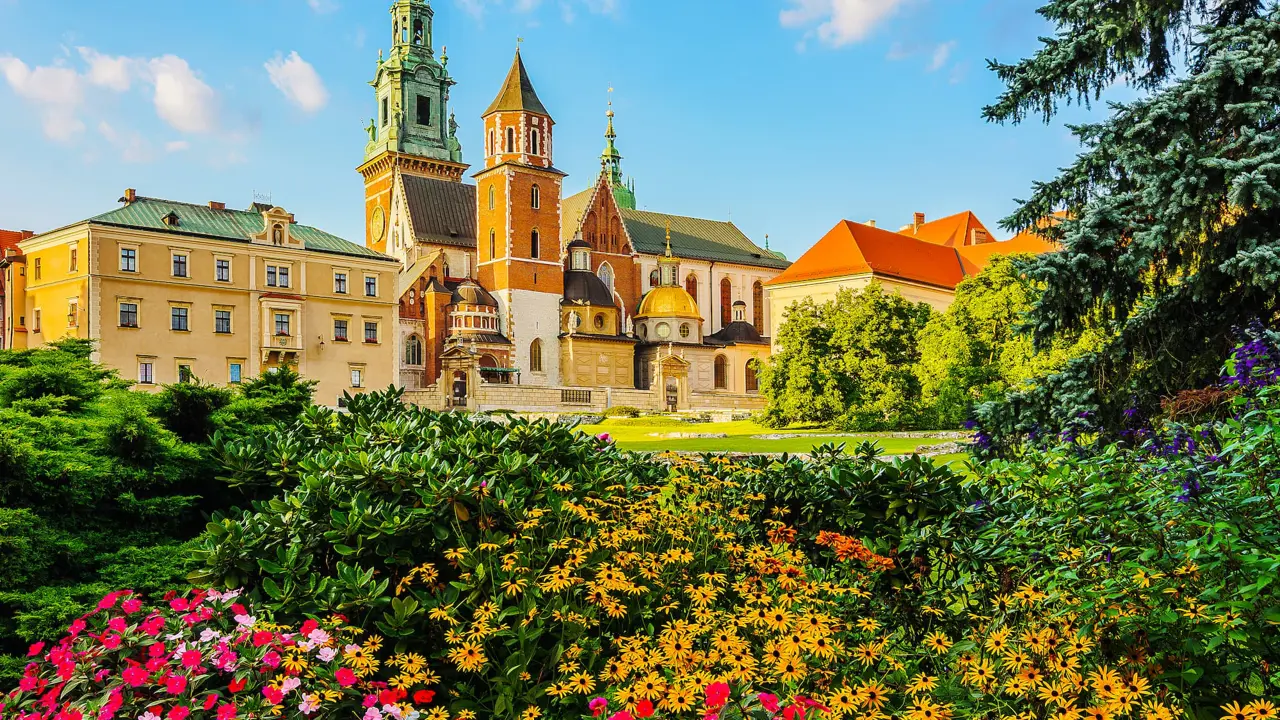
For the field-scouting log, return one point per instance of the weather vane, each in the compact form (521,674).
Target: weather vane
(519,42)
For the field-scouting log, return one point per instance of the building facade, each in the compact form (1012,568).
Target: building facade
(9,240)
(173,291)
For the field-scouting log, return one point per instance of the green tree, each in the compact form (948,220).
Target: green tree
(976,351)
(847,362)
(1171,238)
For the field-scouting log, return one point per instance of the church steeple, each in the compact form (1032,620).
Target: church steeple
(611,165)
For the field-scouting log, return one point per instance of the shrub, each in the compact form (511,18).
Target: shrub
(624,411)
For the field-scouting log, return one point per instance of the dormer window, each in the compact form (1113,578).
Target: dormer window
(171,219)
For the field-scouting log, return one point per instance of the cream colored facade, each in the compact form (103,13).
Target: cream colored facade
(782,297)
(165,306)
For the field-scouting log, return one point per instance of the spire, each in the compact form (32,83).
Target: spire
(517,94)
(668,238)
(611,163)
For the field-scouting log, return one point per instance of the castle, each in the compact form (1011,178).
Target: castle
(513,295)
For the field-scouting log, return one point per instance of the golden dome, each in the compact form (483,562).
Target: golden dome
(668,301)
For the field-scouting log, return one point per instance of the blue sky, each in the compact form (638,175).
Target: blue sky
(783,115)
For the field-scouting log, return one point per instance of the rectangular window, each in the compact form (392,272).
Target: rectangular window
(38,268)
(74,262)
(371,332)
(146,373)
(235,371)
(371,286)
(35,321)
(178,319)
(184,373)
(222,322)
(282,324)
(340,331)
(128,260)
(179,265)
(384,112)
(284,277)
(340,283)
(73,314)
(357,377)
(222,270)
(129,315)
(271,276)
(424,110)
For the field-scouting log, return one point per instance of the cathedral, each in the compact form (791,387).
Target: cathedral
(512,293)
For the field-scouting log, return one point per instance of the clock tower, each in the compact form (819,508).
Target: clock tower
(412,131)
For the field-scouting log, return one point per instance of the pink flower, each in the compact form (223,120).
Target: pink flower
(111,642)
(373,713)
(35,649)
(175,684)
(179,712)
(191,659)
(370,700)
(131,606)
(717,695)
(152,625)
(309,704)
(227,711)
(345,677)
(768,702)
(77,627)
(289,685)
(623,715)
(598,706)
(604,437)
(135,676)
(118,624)
(179,605)
(271,659)
(273,695)
(157,650)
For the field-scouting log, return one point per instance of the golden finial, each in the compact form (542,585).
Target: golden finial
(668,238)
(609,112)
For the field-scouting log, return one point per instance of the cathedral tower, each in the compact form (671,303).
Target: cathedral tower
(518,224)
(413,131)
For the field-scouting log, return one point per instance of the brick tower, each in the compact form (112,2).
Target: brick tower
(518,205)
(413,131)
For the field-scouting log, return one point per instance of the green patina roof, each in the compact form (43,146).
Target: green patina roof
(237,225)
(517,93)
(691,238)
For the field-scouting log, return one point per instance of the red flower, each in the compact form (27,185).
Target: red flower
(152,625)
(175,684)
(135,676)
(424,697)
(238,609)
(621,715)
(768,702)
(118,624)
(210,700)
(307,627)
(644,709)
(262,637)
(35,649)
(717,694)
(236,685)
(345,677)
(179,712)
(191,659)
(226,711)
(273,695)
(793,712)
(111,642)
(156,650)
(77,627)
(109,600)
(131,606)
(179,605)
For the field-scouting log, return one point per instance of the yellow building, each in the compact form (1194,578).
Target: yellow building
(173,291)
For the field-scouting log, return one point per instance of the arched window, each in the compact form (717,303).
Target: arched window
(753,382)
(493,244)
(413,350)
(726,302)
(493,197)
(535,356)
(417,32)
(413,297)
(511,140)
(653,279)
(757,306)
(691,286)
(722,373)
(535,197)
(533,142)
(605,273)
(493,145)
(395,32)
(535,245)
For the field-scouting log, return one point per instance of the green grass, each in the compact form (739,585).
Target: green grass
(635,434)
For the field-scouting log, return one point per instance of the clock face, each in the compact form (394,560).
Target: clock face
(664,330)
(378,223)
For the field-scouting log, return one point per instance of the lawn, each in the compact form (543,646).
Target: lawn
(644,434)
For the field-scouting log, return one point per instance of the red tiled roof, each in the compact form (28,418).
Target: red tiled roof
(11,238)
(976,258)
(856,249)
(951,231)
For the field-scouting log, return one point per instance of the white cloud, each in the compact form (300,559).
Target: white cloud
(567,8)
(56,91)
(299,82)
(839,22)
(941,55)
(177,146)
(181,98)
(115,73)
(132,146)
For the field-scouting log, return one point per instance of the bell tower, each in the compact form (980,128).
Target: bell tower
(518,222)
(412,130)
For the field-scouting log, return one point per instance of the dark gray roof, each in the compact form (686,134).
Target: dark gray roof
(470,292)
(581,286)
(442,212)
(735,333)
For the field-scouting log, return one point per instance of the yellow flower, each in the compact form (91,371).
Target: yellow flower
(1098,712)
(922,684)
(1235,711)
(582,683)
(1261,710)
(938,642)
(469,657)
(872,694)
(533,712)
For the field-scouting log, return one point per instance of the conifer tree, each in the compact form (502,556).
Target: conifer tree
(1172,233)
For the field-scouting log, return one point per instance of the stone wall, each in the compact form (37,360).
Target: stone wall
(534,399)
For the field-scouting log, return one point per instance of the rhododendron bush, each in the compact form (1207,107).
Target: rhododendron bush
(205,654)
